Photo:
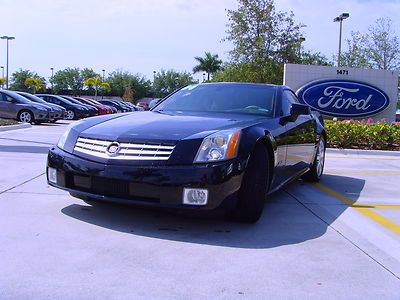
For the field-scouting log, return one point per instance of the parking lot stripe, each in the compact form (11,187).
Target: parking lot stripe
(388,224)
(362,172)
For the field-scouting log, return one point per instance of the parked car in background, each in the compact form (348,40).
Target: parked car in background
(113,110)
(144,105)
(102,109)
(14,106)
(57,112)
(154,102)
(124,105)
(73,111)
(93,111)
(211,146)
(114,104)
(131,106)
(398,115)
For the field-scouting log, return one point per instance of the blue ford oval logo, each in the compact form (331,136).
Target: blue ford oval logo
(113,149)
(343,98)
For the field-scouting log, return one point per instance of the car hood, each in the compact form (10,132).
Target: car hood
(165,127)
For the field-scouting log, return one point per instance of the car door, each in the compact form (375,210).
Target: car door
(7,106)
(300,135)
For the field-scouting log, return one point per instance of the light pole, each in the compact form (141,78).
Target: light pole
(301,40)
(103,73)
(154,88)
(51,78)
(7,38)
(2,73)
(340,19)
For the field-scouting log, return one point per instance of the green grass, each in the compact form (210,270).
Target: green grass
(5,122)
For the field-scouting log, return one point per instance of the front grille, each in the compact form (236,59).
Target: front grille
(111,187)
(127,151)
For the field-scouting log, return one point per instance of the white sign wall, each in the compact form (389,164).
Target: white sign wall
(298,76)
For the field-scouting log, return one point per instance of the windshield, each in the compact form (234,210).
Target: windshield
(33,98)
(237,98)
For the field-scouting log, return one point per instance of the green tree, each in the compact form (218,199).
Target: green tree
(2,81)
(68,79)
(314,58)
(165,82)
(129,86)
(19,77)
(34,84)
(210,64)
(378,48)
(356,55)
(263,38)
(383,47)
(98,84)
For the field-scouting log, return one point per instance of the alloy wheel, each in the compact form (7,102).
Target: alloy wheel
(320,157)
(25,117)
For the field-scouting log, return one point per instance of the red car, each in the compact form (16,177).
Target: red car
(103,110)
(144,105)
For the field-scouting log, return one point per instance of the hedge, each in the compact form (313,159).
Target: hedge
(363,135)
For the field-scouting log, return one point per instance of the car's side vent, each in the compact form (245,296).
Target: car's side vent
(121,151)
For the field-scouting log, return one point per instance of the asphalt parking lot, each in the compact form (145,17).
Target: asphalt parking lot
(337,239)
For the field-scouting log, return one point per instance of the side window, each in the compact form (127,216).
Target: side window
(2,97)
(288,98)
(286,105)
(292,97)
(8,98)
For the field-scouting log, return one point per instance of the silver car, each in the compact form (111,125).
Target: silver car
(14,106)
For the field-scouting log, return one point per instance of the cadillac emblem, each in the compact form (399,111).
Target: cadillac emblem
(113,149)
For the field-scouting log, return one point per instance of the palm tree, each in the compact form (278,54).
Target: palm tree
(97,83)
(34,83)
(210,63)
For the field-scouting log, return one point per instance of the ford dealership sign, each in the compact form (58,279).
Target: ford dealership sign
(343,98)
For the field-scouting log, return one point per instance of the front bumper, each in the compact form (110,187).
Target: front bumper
(160,186)
(41,116)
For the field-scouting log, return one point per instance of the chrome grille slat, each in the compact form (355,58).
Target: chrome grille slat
(128,151)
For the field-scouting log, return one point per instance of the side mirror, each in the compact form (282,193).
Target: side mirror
(299,109)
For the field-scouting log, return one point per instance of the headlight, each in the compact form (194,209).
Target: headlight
(222,145)
(63,139)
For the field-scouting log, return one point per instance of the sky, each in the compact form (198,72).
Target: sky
(142,36)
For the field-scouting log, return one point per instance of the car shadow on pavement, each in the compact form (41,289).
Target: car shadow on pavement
(285,221)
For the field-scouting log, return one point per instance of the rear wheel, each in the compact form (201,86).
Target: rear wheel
(25,116)
(317,168)
(254,187)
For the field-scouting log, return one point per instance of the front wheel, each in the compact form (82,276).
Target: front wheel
(25,116)
(317,168)
(70,115)
(254,186)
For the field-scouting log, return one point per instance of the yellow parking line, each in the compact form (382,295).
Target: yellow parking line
(388,224)
(362,172)
(362,158)
(385,206)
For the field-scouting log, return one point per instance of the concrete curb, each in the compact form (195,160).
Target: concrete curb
(15,127)
(363,152)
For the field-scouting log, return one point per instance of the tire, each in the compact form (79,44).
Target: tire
(25,116)
(317,168)
(70,115)
(253,188)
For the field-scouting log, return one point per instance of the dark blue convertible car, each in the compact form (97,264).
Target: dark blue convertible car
(205,147)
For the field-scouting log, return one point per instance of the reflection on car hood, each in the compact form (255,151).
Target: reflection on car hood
(154,126)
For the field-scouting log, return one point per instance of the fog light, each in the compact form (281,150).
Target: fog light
(195,196)
(52,175)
